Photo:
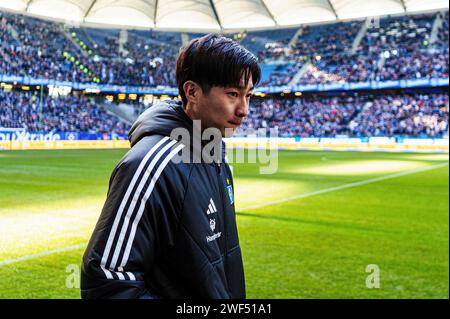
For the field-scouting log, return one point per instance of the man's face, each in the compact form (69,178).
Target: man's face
(225,107)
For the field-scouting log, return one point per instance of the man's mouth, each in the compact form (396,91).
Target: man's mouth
(234,123)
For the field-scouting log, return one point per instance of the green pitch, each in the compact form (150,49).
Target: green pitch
(308,231)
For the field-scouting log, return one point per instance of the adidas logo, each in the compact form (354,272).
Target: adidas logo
(211,207)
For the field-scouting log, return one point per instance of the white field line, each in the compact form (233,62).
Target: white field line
(41,254)
(344,186)
(322,191)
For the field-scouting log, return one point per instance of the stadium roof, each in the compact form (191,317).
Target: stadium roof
(209,15)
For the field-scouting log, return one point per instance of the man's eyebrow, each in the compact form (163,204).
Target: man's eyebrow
(243,88)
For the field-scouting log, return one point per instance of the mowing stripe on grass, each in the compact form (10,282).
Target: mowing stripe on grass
(42,254)
(344,186)
(327,190)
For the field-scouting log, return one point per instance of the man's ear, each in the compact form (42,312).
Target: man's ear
(192,91)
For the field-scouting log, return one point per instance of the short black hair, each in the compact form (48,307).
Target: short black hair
(215,60)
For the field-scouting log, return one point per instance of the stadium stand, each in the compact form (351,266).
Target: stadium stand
(392,48)
(61,114)
(407,115)
(416,115)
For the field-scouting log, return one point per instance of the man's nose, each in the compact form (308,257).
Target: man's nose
(243,108)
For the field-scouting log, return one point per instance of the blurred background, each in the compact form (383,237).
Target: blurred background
(358,91)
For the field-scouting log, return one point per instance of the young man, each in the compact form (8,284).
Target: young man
(168,228)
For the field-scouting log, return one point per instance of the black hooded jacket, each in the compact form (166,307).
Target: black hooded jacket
(167,228)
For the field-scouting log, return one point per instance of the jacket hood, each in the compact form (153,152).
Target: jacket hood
(163,117)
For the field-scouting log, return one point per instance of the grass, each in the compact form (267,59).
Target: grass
(317,246)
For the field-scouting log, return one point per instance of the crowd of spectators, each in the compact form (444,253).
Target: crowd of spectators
(415,115)
(40,49)
(412,115)
(405,47)
(70,113)
(392,48)
(302,116)
(29,47)
(418,115)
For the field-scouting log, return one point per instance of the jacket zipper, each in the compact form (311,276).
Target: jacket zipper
(219,177)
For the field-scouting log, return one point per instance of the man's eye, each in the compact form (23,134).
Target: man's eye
(233,94)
